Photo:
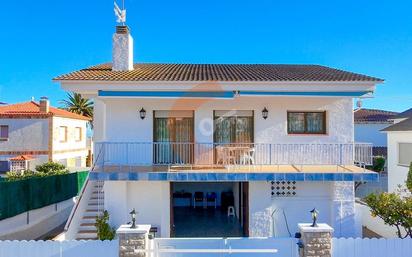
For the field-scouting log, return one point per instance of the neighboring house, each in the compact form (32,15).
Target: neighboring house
(32,133)
(368,126)
(263,143)
(399,149)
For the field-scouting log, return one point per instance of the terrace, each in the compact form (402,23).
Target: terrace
(232,162)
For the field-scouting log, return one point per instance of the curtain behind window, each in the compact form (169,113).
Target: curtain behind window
(233,129)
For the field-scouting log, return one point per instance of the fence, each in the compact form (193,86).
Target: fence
(210,247)
(23,195)
(136,153)
(364,247)
(59,249)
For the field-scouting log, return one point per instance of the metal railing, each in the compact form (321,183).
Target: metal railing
(170,153)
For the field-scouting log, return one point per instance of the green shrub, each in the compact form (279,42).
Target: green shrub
(52,168)
(18,175)
(409,179)
(43,170)
(104,231)
(379,164)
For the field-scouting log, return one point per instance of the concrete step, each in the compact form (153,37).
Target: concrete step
(86,236)
(88,220)
(83,227)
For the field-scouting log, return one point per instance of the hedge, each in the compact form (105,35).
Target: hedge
(24,195)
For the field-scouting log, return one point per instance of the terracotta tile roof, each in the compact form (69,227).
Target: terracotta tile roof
(32,109)
(217,72)
(22,158)
(373,116)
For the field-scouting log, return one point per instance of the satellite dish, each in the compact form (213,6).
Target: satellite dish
(120,13)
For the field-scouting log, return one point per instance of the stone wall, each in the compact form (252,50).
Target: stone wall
(316,241)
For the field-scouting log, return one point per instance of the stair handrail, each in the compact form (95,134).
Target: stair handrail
(76,205)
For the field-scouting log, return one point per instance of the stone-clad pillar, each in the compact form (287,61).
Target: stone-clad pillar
(316,241)
(131,239)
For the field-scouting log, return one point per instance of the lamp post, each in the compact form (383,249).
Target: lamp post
(142,113)
(314,213)
(133,214)
(265,113)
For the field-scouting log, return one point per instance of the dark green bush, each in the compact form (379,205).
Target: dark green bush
(104,231)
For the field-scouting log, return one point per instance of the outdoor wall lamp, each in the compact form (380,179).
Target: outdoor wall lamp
(142,113)
(133,214)
(265,113)
(314,213)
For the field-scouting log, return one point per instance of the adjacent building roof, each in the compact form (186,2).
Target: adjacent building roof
(405,114)
(373,116)
(22,158)
(32,109)
(217,72)
(404,125)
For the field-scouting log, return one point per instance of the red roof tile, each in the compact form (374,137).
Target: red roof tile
(217,72)
(373,116)
(32,109)
(22,158)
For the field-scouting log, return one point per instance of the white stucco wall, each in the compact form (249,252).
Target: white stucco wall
(71,153)
(26,135)
(371,133)
(333,210)
(150,199)
(122,121)
(396,173)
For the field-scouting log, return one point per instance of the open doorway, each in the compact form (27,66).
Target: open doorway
(209,209)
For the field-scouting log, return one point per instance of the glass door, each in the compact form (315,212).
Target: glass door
(173,137)
(233,136)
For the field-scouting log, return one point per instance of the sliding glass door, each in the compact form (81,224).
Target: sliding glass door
(232,127)
(173,137)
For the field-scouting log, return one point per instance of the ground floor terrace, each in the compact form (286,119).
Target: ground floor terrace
(232,208)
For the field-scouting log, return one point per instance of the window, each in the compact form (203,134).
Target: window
(233,126)
(78,133)
(63,134)
(306,122)
(405,154)
(4,132)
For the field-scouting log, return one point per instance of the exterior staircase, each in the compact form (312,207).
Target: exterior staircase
(87,229)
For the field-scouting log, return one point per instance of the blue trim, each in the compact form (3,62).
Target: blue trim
(259,93)
(223,94)
(231,176)
(174,94)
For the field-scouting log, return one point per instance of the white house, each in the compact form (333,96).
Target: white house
(32,133)
(368,126)
(220,149)
(399,149)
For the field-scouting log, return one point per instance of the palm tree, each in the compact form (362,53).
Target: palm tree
(77,104)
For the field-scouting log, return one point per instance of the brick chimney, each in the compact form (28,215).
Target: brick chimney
(44,104)
(122,49)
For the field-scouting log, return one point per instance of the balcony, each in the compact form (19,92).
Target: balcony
(205,161)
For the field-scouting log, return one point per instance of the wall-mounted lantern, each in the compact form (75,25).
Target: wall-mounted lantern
(314,213)
(133,214)
(265,113)
(142,113)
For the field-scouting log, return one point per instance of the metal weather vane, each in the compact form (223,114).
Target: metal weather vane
(120,13)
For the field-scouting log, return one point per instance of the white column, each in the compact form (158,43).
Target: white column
(343,209)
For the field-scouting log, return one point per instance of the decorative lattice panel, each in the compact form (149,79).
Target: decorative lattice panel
(283,188)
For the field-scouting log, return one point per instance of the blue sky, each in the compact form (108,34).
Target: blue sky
(42,39)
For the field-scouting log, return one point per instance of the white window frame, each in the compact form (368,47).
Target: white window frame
(399,152)
(78,134)
(65,134)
